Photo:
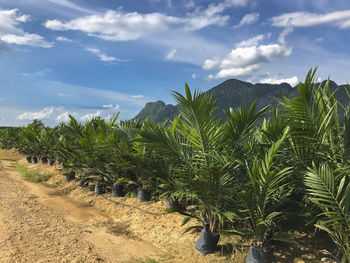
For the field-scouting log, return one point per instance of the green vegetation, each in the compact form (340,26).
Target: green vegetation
(32,175)
(263,174)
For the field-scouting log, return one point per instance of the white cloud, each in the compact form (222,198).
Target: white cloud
(194,76)
(251,41)
(121,26)
(248,19)
(110,106)
(158,29)
(26,39)
(319,39)
(89,116)
(137,96)
(10,20)
(190,4)
(102,56)
(39,73)
(39,115)
(219,8)
(63,117)
(244,61)
(170,54)
(63,39)
(11,33)
(93,93)
(234,72)
(241,57)
(211,63)
(68,4)
(340,19)
(211,15)
(292,81)
(168,2)
(286,31)
(116,26)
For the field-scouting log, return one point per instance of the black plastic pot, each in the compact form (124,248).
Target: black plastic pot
(117,190)
(82,183)
(70,176)
(207,242)
(171,203)
(255,255)
(98,188)
(43,159)
(51,162)
(34,159)
(29,159)
(142,195)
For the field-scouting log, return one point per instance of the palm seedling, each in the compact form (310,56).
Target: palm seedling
(9,138)
(330,191)
(320,143)
(29,143)
(266,186)
(194,143)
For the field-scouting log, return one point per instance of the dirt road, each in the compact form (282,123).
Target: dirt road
(37,226)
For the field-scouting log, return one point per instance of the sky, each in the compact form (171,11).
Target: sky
(99,57)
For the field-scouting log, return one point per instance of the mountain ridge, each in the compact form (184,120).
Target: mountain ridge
(232,93)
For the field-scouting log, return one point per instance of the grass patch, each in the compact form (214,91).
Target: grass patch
(32,175)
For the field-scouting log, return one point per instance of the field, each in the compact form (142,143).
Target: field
(56,221)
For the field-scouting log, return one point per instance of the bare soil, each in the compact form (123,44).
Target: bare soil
(38,226)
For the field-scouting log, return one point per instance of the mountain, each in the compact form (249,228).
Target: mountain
(157,111)
(232,93)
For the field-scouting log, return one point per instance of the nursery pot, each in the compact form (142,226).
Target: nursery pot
(51,162)
(142,195)
(82,183)
(29,159)
(34,159)
(171,203)
(98,188)
(207,242)
(43,159)
(70,176)
(117,190)
(255,255)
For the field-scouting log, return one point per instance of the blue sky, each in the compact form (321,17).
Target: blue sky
(98,57)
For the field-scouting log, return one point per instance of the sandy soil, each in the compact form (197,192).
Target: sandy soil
(37,226)
(62,222)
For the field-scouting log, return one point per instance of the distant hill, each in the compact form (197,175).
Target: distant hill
(157,111)
(232,93)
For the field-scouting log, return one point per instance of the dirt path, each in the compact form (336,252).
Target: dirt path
(38,226)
